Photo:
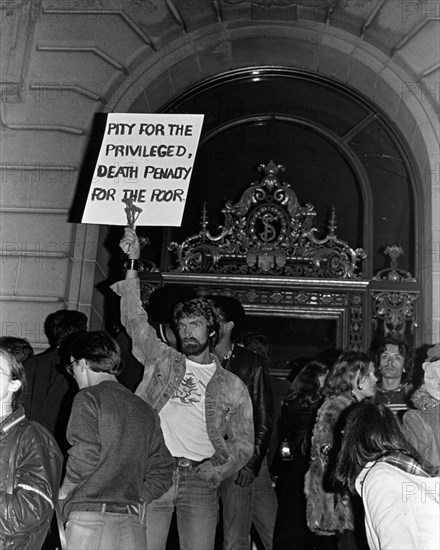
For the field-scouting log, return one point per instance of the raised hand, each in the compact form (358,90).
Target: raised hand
(130,244)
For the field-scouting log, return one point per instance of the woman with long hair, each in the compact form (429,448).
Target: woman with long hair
(350,380)
(295,426)
(400,491)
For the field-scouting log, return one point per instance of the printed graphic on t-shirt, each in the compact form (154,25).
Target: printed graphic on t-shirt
(188,392)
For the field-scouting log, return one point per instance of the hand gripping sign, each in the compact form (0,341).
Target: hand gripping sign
(145,163)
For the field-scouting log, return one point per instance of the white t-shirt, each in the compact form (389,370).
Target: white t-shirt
(183,418)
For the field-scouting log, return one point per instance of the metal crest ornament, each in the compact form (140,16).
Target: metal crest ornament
(268,232)
(396,310)
(393,273)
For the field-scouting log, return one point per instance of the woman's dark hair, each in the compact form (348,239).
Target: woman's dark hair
(16,372)
(306,388)
(99,349)
(371,432)
(344,371)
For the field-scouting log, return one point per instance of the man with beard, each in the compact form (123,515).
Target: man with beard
(205,411)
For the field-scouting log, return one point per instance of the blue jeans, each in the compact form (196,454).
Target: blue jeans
(243,506)
(196,505)
(105,531)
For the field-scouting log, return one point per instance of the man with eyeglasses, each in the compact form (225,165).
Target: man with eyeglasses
(117,461)
(395,365)
(205,410)
(30,466)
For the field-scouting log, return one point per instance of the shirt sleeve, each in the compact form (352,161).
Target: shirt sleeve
(83,435)
(30,505)
(263,416)
(421,436)
(145,343)
(240,438)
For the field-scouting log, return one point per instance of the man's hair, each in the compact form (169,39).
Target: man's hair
(257,343)
(16,372)
(371,432)
(404,350)
(164,299)
(231,309)
(344,371)
(62,323)
(198,307)
(99,349)
(306,388)
(20,348)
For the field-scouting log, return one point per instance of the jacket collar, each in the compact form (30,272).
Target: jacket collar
(12,420)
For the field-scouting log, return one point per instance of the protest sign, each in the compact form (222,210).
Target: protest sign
(144,165)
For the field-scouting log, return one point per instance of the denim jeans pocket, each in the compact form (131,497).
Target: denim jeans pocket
(139,531)
(83,533)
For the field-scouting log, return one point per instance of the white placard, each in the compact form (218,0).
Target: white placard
(145,159)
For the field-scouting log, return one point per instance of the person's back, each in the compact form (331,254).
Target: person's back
(49,396)
(400,491)
(402,507)
(109,417)
(117,461)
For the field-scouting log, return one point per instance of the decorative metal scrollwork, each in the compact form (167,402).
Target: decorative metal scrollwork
(393,274)
(268,232)
(395,310)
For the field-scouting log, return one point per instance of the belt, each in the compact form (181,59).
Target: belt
(110,508)
(183,462)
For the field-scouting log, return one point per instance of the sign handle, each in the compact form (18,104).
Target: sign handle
(132,212)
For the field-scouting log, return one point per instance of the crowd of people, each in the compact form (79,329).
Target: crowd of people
(201,447)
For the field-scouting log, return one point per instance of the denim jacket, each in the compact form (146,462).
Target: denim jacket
(228,406)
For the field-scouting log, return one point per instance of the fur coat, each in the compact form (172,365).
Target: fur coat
(327,512)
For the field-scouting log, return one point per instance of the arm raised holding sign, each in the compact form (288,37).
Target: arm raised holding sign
(131,246)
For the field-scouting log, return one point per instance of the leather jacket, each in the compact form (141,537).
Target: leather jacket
(30,471)
(252,369)
(228,407)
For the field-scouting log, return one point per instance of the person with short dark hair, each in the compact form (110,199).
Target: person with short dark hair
(351,380)
(395,362)
(20,348)
(118,461)
(247,497)
(30,466)
(50,393)
(205,411)
(401,496)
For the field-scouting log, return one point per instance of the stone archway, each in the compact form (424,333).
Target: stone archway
(63,62)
